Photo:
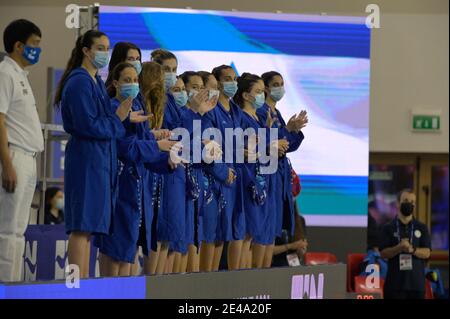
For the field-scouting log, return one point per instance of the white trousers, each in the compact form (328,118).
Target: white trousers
(15,214)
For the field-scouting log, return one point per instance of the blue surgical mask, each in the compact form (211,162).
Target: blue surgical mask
(277,93)
(129,89)
(101,59)
(31,54)
(59,204)
(230,88)
(259,101)
(137,65)
(213,93)
(181,98)
(170,78)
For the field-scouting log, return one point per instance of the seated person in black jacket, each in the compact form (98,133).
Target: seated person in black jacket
(289,250)
(54,206)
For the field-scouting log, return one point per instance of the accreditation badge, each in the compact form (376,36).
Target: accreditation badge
(406,262)
(293,260)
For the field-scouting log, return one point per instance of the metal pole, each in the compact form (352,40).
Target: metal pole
(44,176)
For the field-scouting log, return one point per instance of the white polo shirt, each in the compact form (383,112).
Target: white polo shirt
(18,104)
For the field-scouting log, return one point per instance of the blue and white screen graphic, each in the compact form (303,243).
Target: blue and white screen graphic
(325,63)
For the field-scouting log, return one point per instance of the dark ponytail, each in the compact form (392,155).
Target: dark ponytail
(245,84)
(76,58)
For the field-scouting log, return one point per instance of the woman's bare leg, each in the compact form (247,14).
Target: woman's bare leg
(193,259)
(246,253)
(110,266)
(87,258)
(176,262)
(162,258)
(206,256)
(135,267)
(76,251)
(218,249)
(169,263)
(102,264)
(124,269)
(258,252)
(234,254)
(151,261)
(249,259)
(267,263)
(183,263)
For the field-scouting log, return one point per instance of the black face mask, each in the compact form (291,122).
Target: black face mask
(406,209)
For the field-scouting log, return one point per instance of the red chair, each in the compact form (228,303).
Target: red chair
(360,286)
(353,263)
(311,259)
(428,290)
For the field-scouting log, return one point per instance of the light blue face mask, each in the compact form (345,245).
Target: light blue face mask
(230,88)
(60,204)
(129,89)
(170,78)
(277,93)
(181,98)
(137,65)
(213,93)
(259,101)
(101,59)
(31,54)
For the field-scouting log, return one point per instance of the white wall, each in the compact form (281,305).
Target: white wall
(409,56)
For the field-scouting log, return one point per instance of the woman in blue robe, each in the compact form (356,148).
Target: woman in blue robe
(199,194)
(208,221)
(139,154)
(257,184)
(171,222)
(90,167)
(228,184)
(184,254)
(291,132)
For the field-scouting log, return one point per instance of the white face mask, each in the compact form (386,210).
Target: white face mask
(213,93)
(192,93)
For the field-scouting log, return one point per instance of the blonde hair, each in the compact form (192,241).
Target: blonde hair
(151,82)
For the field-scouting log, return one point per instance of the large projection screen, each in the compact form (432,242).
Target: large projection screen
(325,62)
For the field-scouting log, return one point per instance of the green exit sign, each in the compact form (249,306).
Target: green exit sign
(428,123)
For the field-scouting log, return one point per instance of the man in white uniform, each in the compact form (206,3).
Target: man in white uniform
(20,142)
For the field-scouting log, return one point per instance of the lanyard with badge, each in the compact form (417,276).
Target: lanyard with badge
(405,260)
(291,258)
